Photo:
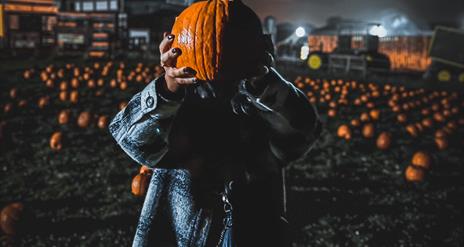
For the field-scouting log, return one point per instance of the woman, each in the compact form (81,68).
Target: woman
(199,135)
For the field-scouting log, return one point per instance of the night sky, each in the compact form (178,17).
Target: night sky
(315,12)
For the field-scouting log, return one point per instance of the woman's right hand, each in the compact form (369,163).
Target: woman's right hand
(175,77)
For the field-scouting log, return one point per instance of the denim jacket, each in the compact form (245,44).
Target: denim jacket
(277,125)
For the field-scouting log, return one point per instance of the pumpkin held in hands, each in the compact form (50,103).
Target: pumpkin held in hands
(215,35)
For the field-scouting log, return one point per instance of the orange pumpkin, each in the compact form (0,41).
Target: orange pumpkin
(49,83)
(63,85)
(10,218)
(43,101)
(113,83)
(83,120)
(414,174)
(364,117)
(368,130)
(13,93)
(421,159)
(442,143)
(22,103)
(55,141)
(412,130)
(401,118)
(344,132)
(7,108)
(427,122)
(91,83)
(63,117)
(140,184)
(355,123)
(74,97)
(63,95)
(374,114)
(199,31)
(383,141)
(332,113)
(440,134)
(212,41)
(102,122)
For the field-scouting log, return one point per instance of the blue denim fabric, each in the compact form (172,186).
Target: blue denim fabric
(143,131)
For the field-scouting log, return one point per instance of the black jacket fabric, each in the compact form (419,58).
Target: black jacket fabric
(208,135)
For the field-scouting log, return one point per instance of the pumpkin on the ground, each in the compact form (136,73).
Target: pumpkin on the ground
(102,122)
(421,159)
(368,130)
(83,120)
(139,184)
(344,132)
(63,117)
(383,140)
(55,141)
(414,174)
(10,217)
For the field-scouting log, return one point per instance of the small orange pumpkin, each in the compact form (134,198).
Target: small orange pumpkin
(43,101)
(442,143)
(402,118)
(83,120)
(412,130)
(140,184)
(421,159)
(344,132)
(374,114)
(74,83)
(427,122)
(368,130)
(74,97)
(123,86)
(414,174)
(10,217)
(332,113)
(383,141)
(122,105)
(63,85)
(13,93)
(7,107)
(63,95)
(55,141)
(355,123)
(22,103)
(102,122)
(63,117)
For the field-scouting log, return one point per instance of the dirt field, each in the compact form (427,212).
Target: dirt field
(344,193)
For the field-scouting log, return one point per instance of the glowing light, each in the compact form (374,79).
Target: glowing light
(300,32)
(304,52)
(379,31)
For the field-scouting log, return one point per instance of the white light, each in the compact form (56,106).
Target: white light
(300,32)
(378,31)
(304,52)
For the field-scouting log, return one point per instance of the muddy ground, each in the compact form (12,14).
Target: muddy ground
(341,194)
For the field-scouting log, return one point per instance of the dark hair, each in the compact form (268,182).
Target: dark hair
(243,43)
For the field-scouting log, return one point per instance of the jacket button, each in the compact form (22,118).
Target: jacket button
(149,101)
